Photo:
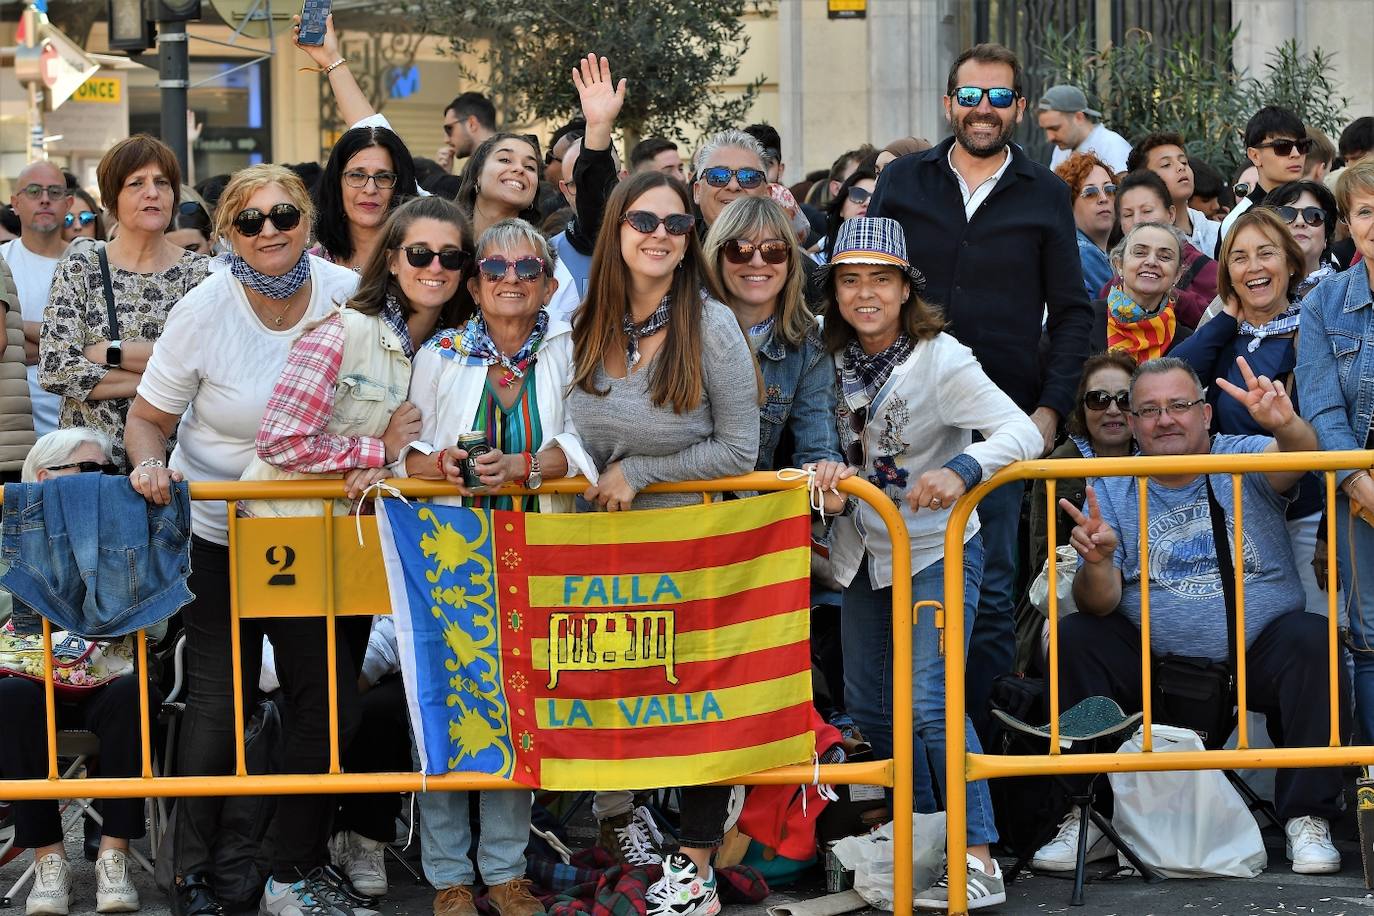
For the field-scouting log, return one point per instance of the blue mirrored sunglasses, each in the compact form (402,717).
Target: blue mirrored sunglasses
(971,96)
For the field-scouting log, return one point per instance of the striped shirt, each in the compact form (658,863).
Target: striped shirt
(512,430)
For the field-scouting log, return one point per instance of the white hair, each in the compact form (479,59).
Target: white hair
(56,448)
(736,138)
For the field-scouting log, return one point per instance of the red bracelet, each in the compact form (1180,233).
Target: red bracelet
(440,464)
(529,464)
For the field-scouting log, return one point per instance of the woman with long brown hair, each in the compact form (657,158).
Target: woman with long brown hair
(664,389)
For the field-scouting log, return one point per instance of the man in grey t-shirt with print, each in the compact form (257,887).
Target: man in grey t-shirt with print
(1286,648)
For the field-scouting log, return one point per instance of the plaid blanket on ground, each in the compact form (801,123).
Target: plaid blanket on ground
(604,888)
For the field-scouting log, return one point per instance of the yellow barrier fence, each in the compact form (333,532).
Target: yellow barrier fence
(312,567)
(963,767)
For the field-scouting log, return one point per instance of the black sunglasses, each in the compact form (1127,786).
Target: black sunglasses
(856,454)
(420,257)
(88,467)
(86,217)
(1098,400)
(741,251)
(718,176)
(527,268)
(859,195)
(646,222)
(284,216)
(1286,147)
(1313,216)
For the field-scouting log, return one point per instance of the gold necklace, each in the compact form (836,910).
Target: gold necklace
(282,317)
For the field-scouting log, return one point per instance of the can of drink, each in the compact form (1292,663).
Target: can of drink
(837,878)
(474,443)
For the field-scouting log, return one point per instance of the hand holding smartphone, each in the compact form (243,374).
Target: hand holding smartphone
(313,16)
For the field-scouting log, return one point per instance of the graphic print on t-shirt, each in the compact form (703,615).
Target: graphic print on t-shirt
(1182,558)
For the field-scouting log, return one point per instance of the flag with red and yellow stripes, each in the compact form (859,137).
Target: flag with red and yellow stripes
(605,650)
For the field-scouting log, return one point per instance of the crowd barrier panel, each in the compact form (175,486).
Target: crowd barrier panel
(963,767)
(357,586)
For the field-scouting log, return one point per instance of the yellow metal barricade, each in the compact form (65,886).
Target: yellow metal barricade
(313,567)
(962,767)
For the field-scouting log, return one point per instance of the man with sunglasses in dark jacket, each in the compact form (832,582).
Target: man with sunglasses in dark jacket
(994,235)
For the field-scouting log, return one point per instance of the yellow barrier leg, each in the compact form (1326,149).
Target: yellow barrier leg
(956,738)
(902,789)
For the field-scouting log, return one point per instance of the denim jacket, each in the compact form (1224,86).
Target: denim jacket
(1336,360)
(799,389)
(90,555)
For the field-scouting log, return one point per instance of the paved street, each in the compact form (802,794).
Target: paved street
(1278,890)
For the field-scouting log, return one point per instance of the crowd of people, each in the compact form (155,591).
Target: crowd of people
(919,316)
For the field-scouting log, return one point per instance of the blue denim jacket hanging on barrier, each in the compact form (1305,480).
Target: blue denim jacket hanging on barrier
(799,385)
(90,555)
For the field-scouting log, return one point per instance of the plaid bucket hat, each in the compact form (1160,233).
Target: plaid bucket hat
(872,240)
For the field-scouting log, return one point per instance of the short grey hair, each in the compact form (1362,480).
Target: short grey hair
(509,233)
(1118,252)
(56,448)
(736,138)
(1160,366)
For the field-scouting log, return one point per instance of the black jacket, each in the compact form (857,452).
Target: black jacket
(994,276)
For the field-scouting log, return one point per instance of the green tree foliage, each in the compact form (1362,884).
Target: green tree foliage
(1189,87)
(671,53)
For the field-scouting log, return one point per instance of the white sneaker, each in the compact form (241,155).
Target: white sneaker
(51,893)
(1310,848)
(1061,853)
(682,891)
(640,840)
(983,889)
(362,859)
(114,891)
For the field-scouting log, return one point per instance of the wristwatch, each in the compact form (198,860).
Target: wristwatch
(114,354)
(535,479)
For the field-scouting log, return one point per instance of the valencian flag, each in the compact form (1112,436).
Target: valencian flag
(605,650)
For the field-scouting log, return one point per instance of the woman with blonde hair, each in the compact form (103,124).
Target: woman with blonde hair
(209,380)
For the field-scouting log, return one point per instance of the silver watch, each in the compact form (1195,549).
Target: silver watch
(535,479)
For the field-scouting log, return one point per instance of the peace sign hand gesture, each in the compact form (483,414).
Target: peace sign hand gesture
(1093,538)
(1265,398)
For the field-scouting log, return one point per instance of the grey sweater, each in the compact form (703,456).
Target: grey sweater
(720,437)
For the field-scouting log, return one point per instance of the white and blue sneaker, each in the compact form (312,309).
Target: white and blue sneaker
(681,891)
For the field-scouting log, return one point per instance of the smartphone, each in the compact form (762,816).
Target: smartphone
(313,15)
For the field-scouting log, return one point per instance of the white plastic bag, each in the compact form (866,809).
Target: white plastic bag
(1188,823)
(870,858)
(1064,571)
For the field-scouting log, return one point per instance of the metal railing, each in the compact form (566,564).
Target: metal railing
(963,767)
(351,591)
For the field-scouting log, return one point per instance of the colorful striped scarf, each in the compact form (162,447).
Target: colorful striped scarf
(1141,334)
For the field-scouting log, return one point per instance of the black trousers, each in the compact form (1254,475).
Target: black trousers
(382,745)
(1287,668)
(702,822)
(111,712)
(297,837)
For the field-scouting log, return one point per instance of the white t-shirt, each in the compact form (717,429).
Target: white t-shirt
(215,366)
(33,277)
(1108,145)
(1205,233)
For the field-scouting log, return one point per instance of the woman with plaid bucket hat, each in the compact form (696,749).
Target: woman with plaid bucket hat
(910,398)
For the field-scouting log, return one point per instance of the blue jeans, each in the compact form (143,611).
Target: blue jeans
(866,624)
(1355,559)
(446,836)
(992,632)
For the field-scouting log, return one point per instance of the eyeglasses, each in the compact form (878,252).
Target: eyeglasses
(85,217)
(647,223)
(1286,147)
(1098,399)
(528,268)
(88,467)
(284,216)
(859,195)
(856,454)
(1313,216)
(420,257)
(356,178)
(1091,190)
(741,251)
(1175,409)
(54,191)
(972,96)
(718,176)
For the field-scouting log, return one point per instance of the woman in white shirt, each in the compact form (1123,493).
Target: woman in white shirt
(910,397)
(208,381)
